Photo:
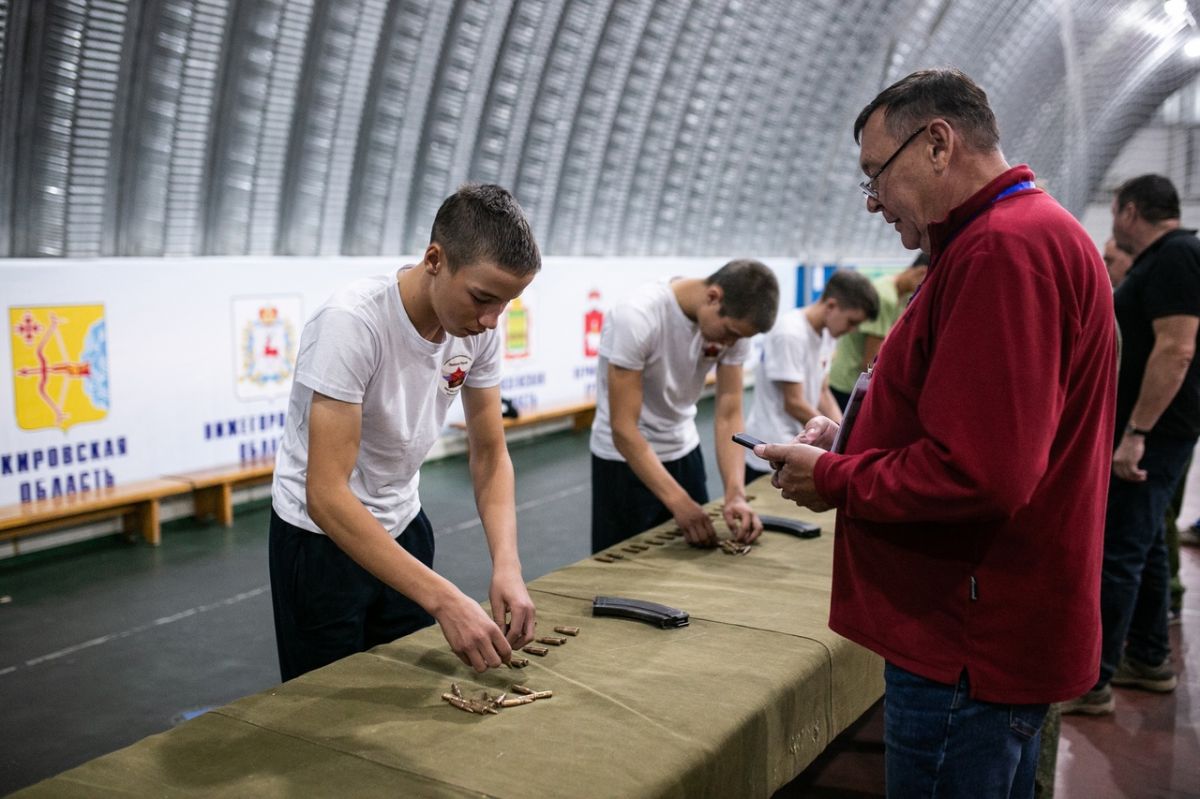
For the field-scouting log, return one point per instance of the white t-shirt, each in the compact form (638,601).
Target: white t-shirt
(361,347)
(650,332)
(792,352)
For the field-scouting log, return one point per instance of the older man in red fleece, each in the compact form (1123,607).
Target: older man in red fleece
(971,487)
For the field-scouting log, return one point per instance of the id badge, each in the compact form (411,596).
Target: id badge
(857,395)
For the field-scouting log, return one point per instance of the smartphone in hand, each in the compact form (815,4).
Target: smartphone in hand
(747,441)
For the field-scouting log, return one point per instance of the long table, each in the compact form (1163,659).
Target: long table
(735,704)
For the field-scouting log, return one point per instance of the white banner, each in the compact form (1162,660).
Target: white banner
(125,369)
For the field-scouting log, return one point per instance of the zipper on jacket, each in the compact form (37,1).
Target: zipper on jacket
(974,589)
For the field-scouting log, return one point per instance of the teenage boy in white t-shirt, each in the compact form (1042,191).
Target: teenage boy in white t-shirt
(791,379)
(379,365)
(656,349)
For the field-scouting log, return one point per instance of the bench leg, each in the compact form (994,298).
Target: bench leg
(223,504)
(583,420)
(215,502)
(144,519)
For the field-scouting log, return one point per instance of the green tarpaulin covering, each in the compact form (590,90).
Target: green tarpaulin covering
(735,704)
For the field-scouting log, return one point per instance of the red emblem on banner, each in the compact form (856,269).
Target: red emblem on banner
(593,323)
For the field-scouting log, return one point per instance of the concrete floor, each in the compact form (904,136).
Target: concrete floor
(105,642)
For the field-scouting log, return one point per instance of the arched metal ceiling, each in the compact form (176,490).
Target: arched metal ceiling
(658,127)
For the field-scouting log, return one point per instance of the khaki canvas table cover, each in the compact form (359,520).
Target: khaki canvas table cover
(735,704)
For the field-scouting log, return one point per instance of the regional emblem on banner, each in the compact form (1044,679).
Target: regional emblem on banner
(265,343)
(60,365)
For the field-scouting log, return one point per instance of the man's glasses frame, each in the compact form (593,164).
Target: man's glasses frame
(868,186)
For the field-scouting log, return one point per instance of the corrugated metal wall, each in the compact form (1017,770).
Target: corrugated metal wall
(662,127)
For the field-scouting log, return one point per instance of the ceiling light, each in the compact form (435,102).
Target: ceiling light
(1192,48)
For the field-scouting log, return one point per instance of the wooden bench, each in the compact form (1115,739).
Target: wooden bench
(135,503)
(213,488)
(581,415)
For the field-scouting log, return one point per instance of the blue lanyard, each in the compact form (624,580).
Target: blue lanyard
(1013,189)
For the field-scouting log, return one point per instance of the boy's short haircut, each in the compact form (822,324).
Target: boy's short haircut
(750,292)
(482,222)
(852,290)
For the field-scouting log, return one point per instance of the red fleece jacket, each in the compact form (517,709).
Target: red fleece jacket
(972,492)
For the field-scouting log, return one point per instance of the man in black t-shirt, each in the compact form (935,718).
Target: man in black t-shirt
(1157,424)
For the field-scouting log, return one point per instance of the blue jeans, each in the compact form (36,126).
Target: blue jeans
(1135,591)
(941,743)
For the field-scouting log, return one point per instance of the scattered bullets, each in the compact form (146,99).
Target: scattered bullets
(751,497)
(469,705)
(634,550)
(461,704)
(604,559)
(540,651)
(731,547)
(639,547)
(487,705)
(654,542)
(517,663)
(572,631)
(552,640)
(615,555)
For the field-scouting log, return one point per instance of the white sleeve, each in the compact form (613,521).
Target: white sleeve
(339,353)
(485,372)
(783,359)
(738,354)
(628,338)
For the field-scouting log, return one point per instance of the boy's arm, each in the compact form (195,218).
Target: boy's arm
(625,406)
(335,430)
(492,477)
(794,403)
(730,456)
(827,406)
(871,345)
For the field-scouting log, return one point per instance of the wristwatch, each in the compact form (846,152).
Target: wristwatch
(1133,430)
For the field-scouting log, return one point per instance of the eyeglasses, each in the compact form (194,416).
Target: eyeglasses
(868,186)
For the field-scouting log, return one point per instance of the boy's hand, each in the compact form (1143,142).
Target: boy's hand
(510,600)
(697,528)
(472,636)
(743,521)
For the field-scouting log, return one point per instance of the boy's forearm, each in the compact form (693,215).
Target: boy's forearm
(359,534)
(495,487)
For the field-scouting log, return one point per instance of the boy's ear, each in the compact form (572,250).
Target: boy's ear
(435,258)
(714,294)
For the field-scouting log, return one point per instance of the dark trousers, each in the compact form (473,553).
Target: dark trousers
(753,474)
(327,606)
(842,397)
(1135,581)
(622,506)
